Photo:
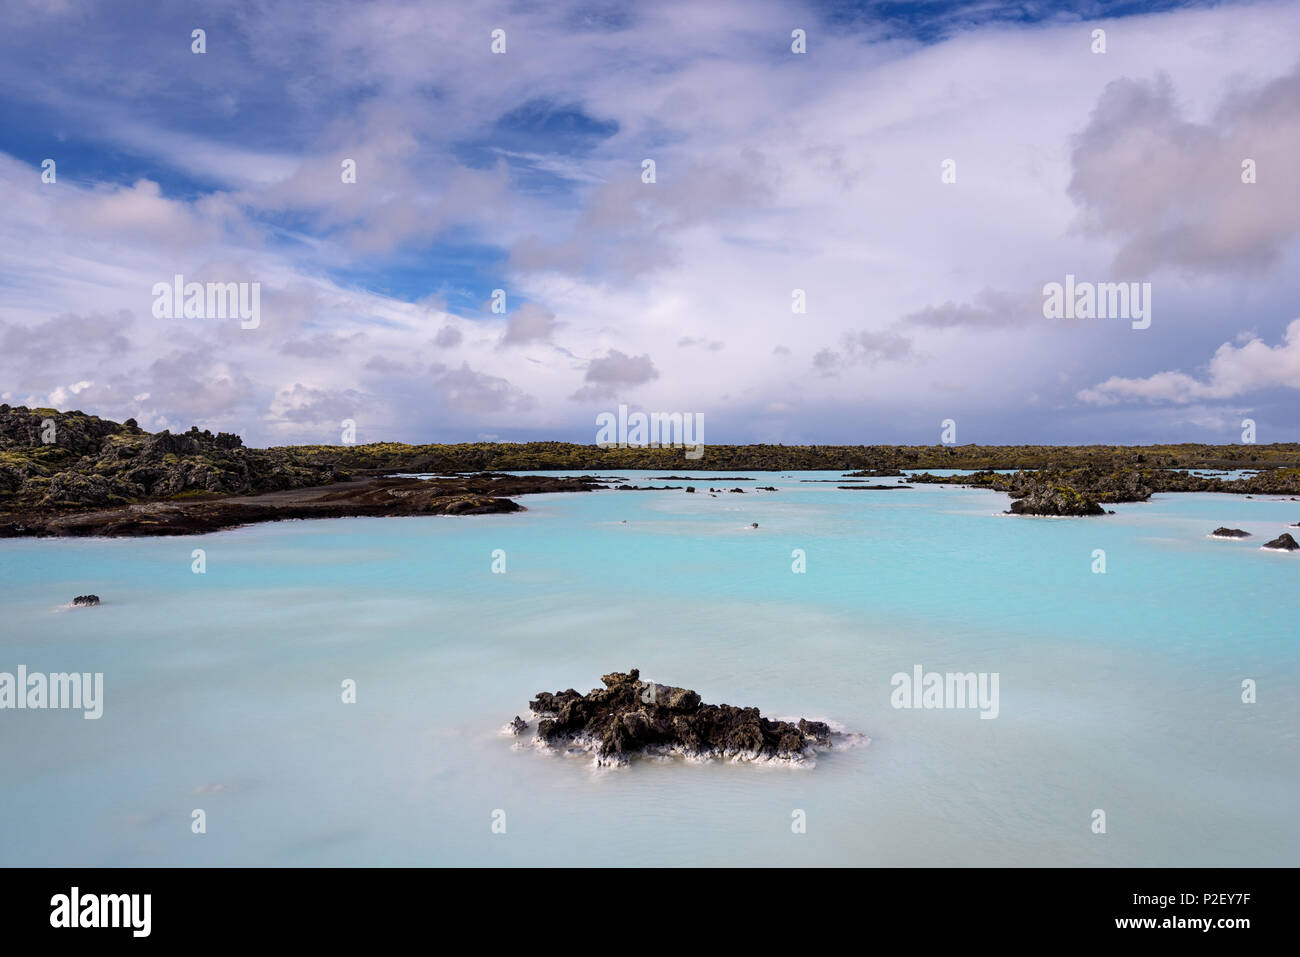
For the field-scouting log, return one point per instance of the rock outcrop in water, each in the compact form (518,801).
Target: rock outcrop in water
(1283,543)
(1223,532)
(1076,492)
(630,716)
(84,601)
(358,498)
(1049,499)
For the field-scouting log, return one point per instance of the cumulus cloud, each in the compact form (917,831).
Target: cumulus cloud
(199,384)
(139,211)
(530,324)
(1171,190)
(387,366)
(63,395)
(45,344)
(322,345)
(465,390)
(448,337)
(315,406)
(1234,370)
(608,375)
(990,308)
(863,347)
(688,342)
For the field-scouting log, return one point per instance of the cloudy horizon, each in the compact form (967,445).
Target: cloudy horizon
(914,180)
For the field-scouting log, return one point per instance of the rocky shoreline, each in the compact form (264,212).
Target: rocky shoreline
(73,474)
(356,498)
(630,718)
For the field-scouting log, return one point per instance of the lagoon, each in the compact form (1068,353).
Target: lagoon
(1120,691)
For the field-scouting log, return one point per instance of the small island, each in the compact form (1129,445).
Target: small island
(631,717)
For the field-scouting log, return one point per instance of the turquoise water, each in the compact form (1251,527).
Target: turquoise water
(1118,691)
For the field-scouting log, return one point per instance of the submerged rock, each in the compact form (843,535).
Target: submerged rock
(1229,533)
(83,601)
(518,725)
(630,716)
(1283,543)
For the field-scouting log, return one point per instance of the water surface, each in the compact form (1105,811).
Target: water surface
(1118,691)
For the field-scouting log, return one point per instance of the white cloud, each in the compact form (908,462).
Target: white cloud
(1172,190)
(1234,370)
(531,323)
(775,172)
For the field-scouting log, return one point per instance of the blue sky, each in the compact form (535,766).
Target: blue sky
(775,171)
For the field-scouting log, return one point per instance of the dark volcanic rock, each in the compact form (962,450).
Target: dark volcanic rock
(1222,532)
(1047,499)
(63,461)
(1119,482)
(377,497)
(518,725)
(1283,543)
(629,717)
(82,601)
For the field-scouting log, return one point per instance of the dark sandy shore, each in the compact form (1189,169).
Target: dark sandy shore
(372,496)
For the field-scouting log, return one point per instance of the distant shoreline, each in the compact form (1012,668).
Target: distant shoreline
(73,474)
(374,497)
(387,496)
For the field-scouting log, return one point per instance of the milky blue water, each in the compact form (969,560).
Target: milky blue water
(1119,691)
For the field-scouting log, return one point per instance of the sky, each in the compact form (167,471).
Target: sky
(917,177)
